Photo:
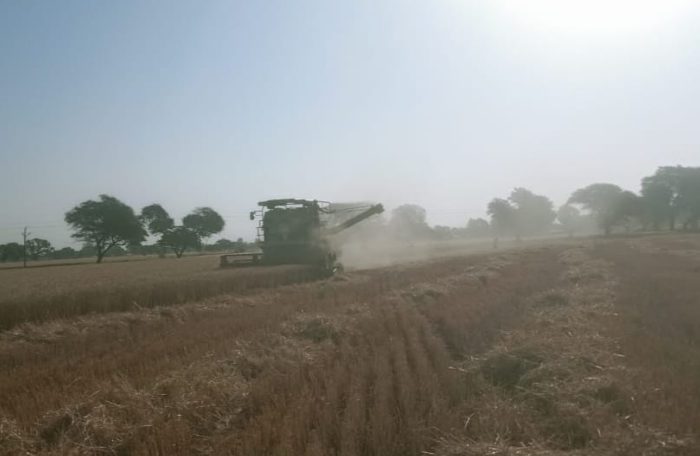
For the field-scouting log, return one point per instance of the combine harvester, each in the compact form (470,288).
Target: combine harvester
(295,231)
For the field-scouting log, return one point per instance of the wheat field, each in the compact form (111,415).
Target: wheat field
(546,350)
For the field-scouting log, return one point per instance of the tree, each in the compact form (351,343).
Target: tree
(478,227)
(409,221)
(87,250)
(657,198)
(534,213)
(12,251)
(104,224)
(627,207)
(688,200)
(570,218)
(200,223)
(224,245)
(443,233)
(158,222)
(156,219)
(181,238)
(204,221)
(37,248)
(64,253)
(684,185)
(117,251)
(601,200)
(503,217)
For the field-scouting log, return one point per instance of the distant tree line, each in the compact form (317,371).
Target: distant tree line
(668,199)
(109,227)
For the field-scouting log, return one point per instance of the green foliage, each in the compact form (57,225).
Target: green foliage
(227,245)
(156,219)
(65,253)
(181,238)
(11,252)
(672,193)
(87,250)
(601,199)
(610,205)
(37,248)
(596,197)
(105,224)
(204,221)
(200,223)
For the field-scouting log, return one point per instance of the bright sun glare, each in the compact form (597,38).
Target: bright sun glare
(599,17)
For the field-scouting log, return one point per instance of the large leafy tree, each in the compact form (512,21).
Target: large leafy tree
(158,222)
(11,252)
(410,221)
(683,185)
(37,248)
(204,221)
(200,223)
(627,208)
(570,218)
(478,227)
(658,200)
(105,224)
(600,200)
(181,238)
(156,219)
(534,213)
(523,213)
(64,253)
(503,217)
(609,204)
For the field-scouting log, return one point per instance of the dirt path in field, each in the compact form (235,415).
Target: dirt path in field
(532,352)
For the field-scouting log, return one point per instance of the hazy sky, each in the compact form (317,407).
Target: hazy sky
(445,104)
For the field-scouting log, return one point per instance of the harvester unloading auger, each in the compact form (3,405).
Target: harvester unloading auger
(295,231)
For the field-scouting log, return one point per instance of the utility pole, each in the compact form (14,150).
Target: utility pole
(25,233)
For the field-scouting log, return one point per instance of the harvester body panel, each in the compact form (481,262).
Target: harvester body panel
(294,231)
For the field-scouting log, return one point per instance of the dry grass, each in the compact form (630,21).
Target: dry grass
(44,263)
(544,351)
(42,294)
(658,298)
(47,281)
(360,366)
(558,383)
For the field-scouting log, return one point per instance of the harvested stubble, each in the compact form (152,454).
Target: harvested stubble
(658,298)
(558,384)
(511,354)
(377,384)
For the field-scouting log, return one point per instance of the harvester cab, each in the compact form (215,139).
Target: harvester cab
(296,231)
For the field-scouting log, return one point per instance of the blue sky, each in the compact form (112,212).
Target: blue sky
(444,103)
